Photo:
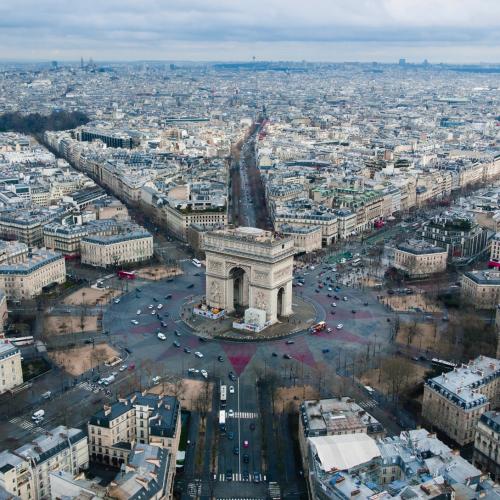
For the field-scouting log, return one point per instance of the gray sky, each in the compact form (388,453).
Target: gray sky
(315,30)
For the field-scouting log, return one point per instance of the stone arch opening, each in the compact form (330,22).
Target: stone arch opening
(280,303)
(240,287)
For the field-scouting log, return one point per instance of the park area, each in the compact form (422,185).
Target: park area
(405,303)
(190,392)
(91,297)
(62,325)
(78,360)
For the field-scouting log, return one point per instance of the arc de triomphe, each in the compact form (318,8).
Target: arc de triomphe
(249,267)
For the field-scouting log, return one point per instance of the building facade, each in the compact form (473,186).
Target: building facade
(418,259)
(481,289)
(11,372)
(27,279)
(454,402)
(487,444)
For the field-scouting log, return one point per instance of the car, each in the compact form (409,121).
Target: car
(317,290)
(220,359)
(168,297)
(134,322)
(324,351)
(344,299)
(116,301)
(245,475)
(190,285)
(123,368)
(114,374)
(232,376)
(198,354)
(330,289)
(245,444)
(252,426)
(138,312)
(333,304)
(290,342)
(131,367)
(230,413)
(161,336)
(156,380)
(88,341)
(153,312)
(46,395)
(204,373)
(187,350)
(366,303)
(202,339)
(287,356)
(236,450)
(230,435)
(177,333)
(164,324)
(329,295)
(193,371)
(256,477)
(274,355)
(229,475)
(231,389)
(155,299)
(159,306)
(340,326)
(333,312)
(138,290)
(150,306)
(176,344)
(354,311)
(329,330)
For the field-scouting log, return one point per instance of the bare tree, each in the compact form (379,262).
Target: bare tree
(396,373)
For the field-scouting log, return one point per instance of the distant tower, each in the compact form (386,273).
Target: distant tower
(402,62)
(81,62)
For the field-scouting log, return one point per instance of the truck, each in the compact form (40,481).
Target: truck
(108,380)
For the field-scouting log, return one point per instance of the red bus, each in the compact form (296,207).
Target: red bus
(318,327)
(126,275)
(493,263)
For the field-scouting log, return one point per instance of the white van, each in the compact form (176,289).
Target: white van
(38,415)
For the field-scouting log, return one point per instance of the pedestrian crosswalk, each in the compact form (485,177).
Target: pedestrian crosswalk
(369,403)
(87,386)
(27,425)
(238,477)
(245,414)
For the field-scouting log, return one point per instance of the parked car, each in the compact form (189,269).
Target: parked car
(161,336)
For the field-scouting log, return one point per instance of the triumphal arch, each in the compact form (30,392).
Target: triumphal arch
(249,268)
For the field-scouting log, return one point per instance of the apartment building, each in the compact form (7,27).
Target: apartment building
(495,250)
(27,278)
(419,259)
(11,372)
(140,418)
(26,226)
(12,252)
(25,471)
(481,288)
(117,249)
(178,220)
(306,239)
(459,234)
(454,402)
(4,313)
(487,444)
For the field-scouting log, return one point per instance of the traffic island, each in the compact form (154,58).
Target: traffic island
(305,314)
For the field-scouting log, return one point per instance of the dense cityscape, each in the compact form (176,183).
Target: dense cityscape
(249,280)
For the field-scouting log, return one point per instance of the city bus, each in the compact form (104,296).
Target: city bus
(223,396)
(441,363)
(318,327)
(127,275)
(222,420)
(20,341)
(196,263)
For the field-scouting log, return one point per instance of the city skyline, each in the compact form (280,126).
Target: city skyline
(379,30)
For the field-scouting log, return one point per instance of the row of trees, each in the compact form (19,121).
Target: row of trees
(35,123)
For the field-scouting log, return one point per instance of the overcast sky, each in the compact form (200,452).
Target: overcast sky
(315,30)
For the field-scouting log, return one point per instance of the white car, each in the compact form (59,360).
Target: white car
(328,330)
(204,373)
(345,299)
(193,370)
(231,389)
(150,306)
(198,354)
(156,380)
(230,413)
(153,312)
(330,289)
(340,326)
(138,312)
(134,322)
(161,336)
(116,301)
(334,304)
(123,368)
(159,306)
